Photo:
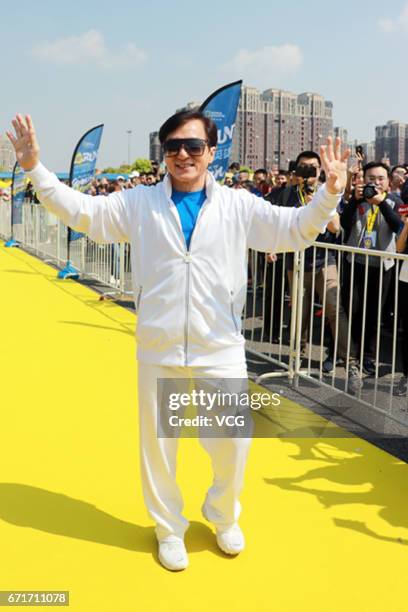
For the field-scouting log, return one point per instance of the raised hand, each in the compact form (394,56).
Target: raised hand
(334,163)
(354,168)
(24,142)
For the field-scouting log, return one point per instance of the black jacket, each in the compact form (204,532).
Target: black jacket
(289,196)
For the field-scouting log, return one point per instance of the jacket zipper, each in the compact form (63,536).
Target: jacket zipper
(188,260)
(233,314)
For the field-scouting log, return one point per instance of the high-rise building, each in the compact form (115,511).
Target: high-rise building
(342,133)
(189,106)
(273,127)
(368,151)
(155,150)
(391,141)
(248,144)
(7,157)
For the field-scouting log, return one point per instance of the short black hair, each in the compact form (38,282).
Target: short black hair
(308,155)
(284,172)
(375,164)
(263,170)
(398,166)
(182,117)
(234,166)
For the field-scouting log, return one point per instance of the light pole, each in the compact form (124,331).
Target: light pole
(129,133)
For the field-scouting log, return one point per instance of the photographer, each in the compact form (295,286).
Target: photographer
(397,180)
(354,177)
(307,173)
(402,247)
(370,221)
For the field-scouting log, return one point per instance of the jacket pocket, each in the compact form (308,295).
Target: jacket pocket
(138,298)
(234,319)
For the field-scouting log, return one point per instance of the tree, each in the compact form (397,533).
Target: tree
(142,165)
(123,169)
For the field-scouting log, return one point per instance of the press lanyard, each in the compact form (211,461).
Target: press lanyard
(301,196)
(371,218)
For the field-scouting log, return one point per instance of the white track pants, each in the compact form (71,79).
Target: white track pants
(158,456)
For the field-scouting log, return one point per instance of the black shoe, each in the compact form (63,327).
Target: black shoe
(328,365)
(274,340)
(369,367)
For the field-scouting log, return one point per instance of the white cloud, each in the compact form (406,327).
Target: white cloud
(387,25)
(400,23)
(89,47)
(265,64)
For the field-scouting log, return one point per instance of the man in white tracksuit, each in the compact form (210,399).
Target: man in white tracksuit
(189,240)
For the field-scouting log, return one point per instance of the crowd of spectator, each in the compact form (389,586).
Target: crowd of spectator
(372,214)
(104,186)
(376,220)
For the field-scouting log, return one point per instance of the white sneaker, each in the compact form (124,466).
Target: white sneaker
(172,553)
(231,541)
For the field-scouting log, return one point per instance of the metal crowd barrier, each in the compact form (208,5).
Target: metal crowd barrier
(5,219)
(284,321)
(45,235)
(360,293)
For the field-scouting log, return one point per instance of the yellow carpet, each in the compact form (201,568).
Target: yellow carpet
(326,521)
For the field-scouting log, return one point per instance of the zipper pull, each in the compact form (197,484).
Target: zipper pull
(188,258)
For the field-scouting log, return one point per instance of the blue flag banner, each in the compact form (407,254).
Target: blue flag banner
(18,189)
(83,165)
(222,108)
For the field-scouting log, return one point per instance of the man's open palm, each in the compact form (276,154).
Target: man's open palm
(24,142)
(334,163)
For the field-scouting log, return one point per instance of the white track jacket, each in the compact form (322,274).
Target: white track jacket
(189,302)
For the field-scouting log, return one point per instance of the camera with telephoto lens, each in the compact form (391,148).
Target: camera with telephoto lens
(305,172)
(369,191)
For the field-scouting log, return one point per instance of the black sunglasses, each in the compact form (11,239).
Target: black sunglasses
(192,146)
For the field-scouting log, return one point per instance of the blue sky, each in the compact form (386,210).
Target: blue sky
(130,65)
